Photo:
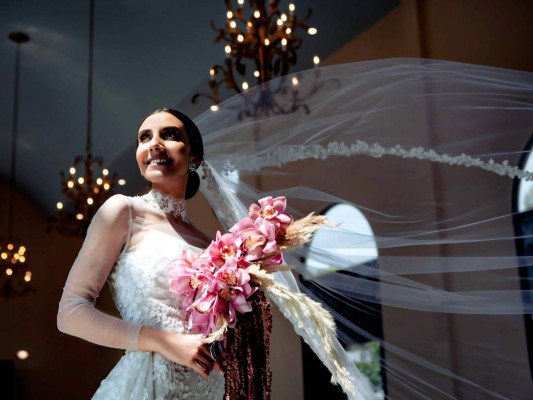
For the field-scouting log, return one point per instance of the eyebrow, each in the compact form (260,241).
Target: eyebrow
(172,129)
(164,130)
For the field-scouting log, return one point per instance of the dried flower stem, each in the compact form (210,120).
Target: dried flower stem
(301,231)
(321,320)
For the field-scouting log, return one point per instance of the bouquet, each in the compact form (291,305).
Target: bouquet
(217,287)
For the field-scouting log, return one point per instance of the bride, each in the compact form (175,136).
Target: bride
(130,243)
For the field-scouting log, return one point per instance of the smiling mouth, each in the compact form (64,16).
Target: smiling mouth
(159,161)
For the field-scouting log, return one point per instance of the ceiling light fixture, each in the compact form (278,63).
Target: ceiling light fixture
(264,44)
(87,184)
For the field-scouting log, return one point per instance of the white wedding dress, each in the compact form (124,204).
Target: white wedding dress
(140,289)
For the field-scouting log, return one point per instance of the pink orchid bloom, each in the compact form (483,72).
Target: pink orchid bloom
(234,288)
(274,260)
(272,210)
(258,238)
(224,247)
(180,272)
(230,275)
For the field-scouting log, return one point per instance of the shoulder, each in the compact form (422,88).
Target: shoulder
(114,211)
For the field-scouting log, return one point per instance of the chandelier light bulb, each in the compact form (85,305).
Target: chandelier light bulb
(121,182)
(294,80)
(10,246)
(292,7)
(229,15)
(70,184)
(227,49)
(90,201)
(288,31)
(23,259)
(257,13)
(316,60)
(240,2)
(59,205)
(106,186)
(240,38)
(283,17)
(22,354)
(279,22)
(3,256)
(312,31)
(232,24)
(212,72)
(256,73)
(81,181)
(79,217)
(9,272)
(214,108)
(99,181)
(245,85)
(267,42)
(105,172)
(22,250)
(284,42)
(72,170)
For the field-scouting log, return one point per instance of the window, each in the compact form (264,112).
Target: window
(358,250)
(523,224)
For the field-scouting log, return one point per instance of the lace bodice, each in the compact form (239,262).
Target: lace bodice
(140,290)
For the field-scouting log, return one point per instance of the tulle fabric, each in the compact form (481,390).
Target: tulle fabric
(428,151)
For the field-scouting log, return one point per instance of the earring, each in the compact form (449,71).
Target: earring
(192,167)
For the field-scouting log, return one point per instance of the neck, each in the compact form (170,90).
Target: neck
(167,203)
(176,192)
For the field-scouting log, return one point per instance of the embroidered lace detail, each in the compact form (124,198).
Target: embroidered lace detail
(167,204)
(284,155)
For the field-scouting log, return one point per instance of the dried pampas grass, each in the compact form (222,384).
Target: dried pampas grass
(301,231)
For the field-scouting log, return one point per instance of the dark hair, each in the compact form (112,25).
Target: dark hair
(196,144)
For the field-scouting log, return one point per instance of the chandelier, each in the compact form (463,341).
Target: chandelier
(87,184)
(265,45)
(15,272)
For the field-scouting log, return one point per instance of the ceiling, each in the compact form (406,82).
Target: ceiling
(147,54)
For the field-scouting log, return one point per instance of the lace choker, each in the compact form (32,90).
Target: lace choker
(166,203)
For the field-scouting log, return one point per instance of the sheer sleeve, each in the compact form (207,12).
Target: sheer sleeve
(107,234)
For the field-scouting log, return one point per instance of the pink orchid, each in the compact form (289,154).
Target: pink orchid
(180,272)
(189,276)
(272,210)
(258,238)
(233,287)
(224,247)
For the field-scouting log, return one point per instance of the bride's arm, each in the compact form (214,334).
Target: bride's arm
(77,315)
(103,243)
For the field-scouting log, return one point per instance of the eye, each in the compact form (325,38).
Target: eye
(171,135)
(144,137)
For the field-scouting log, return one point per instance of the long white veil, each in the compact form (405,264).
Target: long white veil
(428,152)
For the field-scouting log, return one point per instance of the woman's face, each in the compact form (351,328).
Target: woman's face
(163,150)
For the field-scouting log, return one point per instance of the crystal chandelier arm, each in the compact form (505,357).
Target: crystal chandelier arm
(77,315)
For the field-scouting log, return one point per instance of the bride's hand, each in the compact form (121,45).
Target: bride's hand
(184,349)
